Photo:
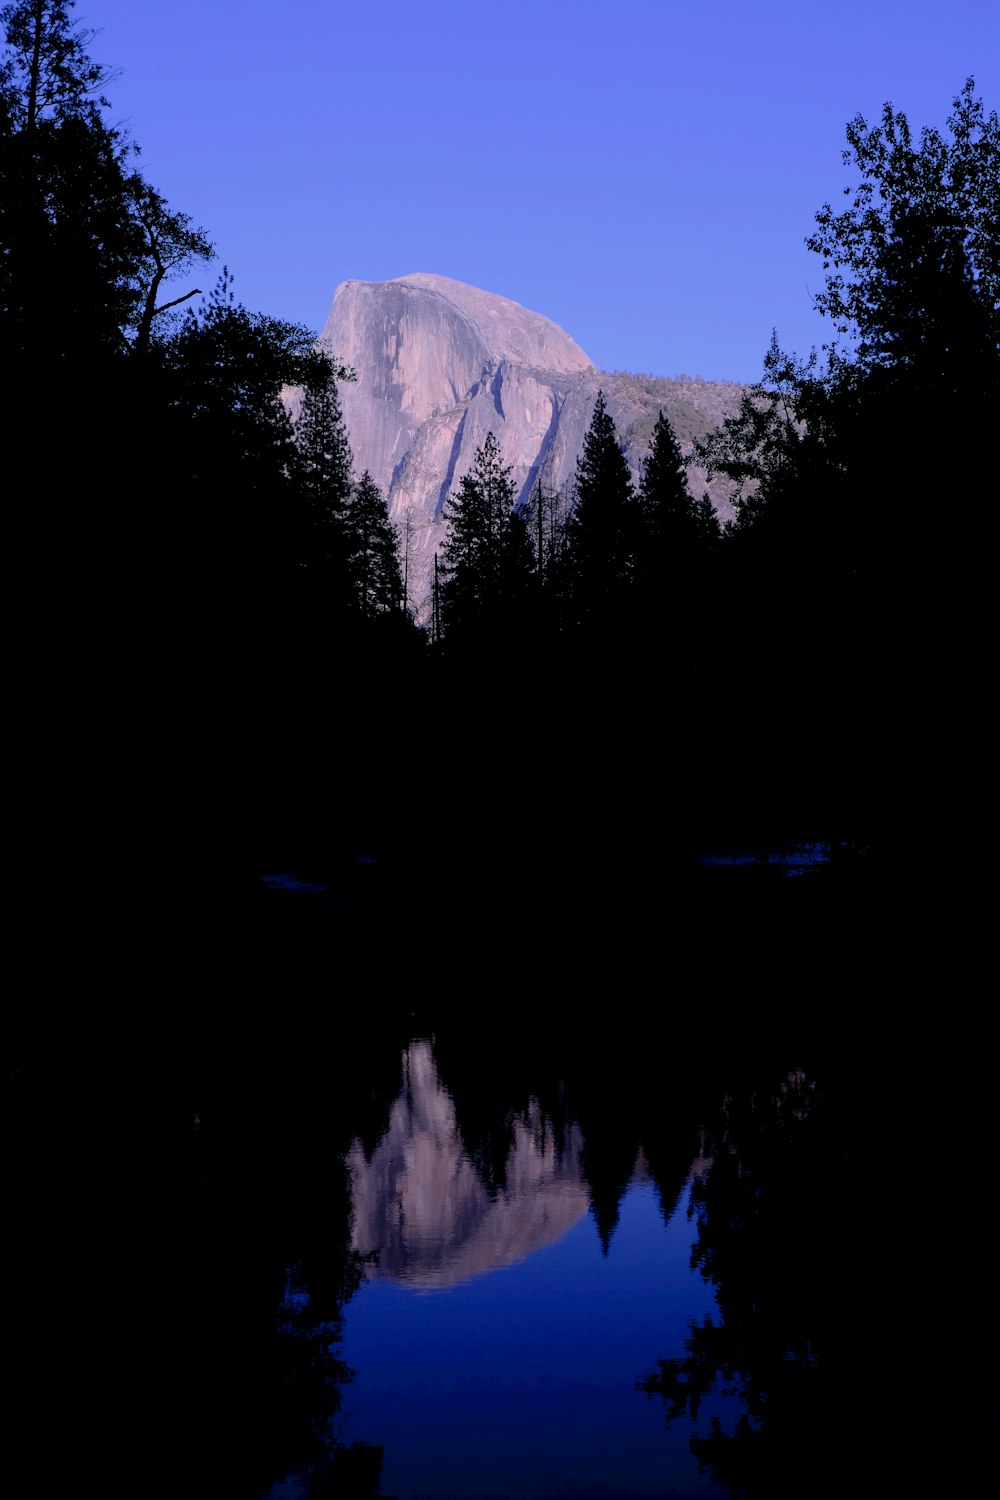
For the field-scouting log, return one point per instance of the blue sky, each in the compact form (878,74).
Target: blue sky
(643,172)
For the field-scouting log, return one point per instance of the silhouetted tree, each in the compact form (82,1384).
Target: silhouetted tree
(545,513)
(707,527)
(373,551)
(763,448)
(48,64)
(76,283)
(322,442)
(799,1337)
(406,536)
(478,553)
(938,198)
(436,622)
(88,244)
(912,287)
(240,526)
(665,503)
(677,542)
(172,243)
(69,253)
(848,467)
(603,528)
(913,291)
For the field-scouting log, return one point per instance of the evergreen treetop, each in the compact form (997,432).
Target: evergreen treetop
(322,441)
(373,551)
(48,73)
(664,498)
(602,529)
(473,556)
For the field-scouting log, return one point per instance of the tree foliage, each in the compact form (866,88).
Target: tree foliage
(69,253)
(760,448)
(479,548)
(673,524)
(911,287)
(322,442)
(919,209)
(172,243)
(373,552)
(228,367)
(252,529)
(48,73)
(212,388)
(602,530)
(88,243)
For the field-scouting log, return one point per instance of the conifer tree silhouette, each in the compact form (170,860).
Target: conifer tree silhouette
(603,528)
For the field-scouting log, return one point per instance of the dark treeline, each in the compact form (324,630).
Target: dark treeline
(595,664)
(221,672)
(211,588)
(229,1249)
(773,675)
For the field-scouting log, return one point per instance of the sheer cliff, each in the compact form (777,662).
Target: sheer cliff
(440,364)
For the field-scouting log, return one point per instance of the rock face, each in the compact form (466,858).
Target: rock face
(440,364)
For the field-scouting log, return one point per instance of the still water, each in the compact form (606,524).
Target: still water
(497,1343)
(482,1260)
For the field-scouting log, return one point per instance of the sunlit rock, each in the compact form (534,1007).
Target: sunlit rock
(440,364)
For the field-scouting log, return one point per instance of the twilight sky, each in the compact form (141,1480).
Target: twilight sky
(643,172)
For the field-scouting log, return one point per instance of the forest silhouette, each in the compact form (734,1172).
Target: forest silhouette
(225,671)
(239,593)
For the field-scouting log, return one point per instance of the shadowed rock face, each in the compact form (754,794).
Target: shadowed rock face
(421,1208)
(440,364)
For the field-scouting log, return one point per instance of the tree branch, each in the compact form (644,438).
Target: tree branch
(187,295)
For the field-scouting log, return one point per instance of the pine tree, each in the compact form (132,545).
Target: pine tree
(545,512)
(519,614)
(48,61)
(227,452)
(406,545)
(665,503)
(325,479)
(706,522)
(679,534)
(603,529)
(373,551)
(436,624)
(475,551)
(87,242)
(69,252)
(324,449)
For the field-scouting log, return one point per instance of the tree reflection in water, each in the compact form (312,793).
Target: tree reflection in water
(264,1249)
(522,1382)
(788,1212)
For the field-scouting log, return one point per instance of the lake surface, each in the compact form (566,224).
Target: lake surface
(463,1256)
(450,1228)
(497,1342)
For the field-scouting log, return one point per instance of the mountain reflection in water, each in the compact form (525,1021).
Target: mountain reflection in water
(585,1336)
(521,1384)
(421,1211)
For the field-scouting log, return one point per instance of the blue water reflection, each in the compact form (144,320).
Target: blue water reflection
(496,1346)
